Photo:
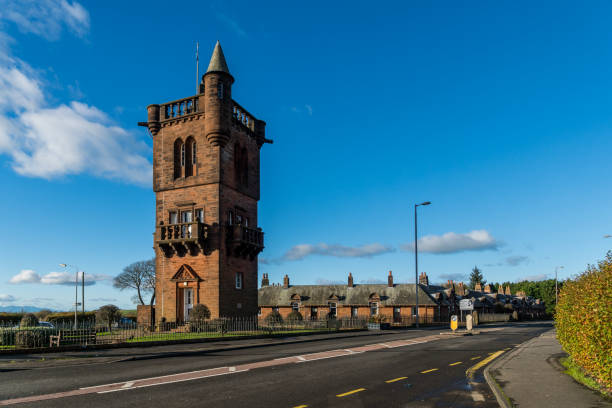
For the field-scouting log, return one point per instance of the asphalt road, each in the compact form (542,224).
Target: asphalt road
(409,369)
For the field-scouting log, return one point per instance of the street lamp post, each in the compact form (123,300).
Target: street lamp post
(556,287)
(76,290)
(416,262)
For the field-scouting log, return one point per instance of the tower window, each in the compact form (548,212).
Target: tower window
(179,158)
(238,280)
(193,153)
(182,154)
(230,217)
(220,90)
(199,213)
(173,217)
(188,156)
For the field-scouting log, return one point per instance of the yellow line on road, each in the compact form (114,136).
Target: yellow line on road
(350,392)
(458,362)
(429,371)
(395,379)
(470,371)
(475,358)
(301,406)
(508,348)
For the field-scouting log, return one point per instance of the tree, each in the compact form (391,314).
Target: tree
(199,313)
(29,320)
(108,315)
(140,276)
(476,277)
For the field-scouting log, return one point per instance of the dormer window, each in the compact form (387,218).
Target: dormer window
(295,306)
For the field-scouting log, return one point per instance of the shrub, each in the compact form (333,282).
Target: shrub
(584,320)
(43,314)
(67,318)
(274,318)
(32,338)
(199,313)
(295,316)
(28,320)
(10,318)
(107,315)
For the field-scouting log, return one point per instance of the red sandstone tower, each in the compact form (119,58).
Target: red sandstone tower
(206,182)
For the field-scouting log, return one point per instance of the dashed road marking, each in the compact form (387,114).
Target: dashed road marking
(350,392)
(478,397)
(429,371)
(475,358)
(395,379)
(454,364)
(301,406)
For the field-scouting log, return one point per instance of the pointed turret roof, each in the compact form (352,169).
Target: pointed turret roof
(217,61)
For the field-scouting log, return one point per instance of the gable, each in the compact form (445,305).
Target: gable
(185,274)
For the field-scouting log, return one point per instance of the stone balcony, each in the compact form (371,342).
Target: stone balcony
(182,238)
(244,241)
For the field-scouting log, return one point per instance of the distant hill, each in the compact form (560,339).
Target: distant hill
(18,309)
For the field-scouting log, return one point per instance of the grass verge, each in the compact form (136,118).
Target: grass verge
(578,374)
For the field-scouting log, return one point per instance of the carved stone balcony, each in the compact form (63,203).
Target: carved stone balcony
(244,241)
(181,238)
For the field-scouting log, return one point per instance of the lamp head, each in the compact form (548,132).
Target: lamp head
(426,203)
(63,265)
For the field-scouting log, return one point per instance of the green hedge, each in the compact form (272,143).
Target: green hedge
(10,318)
(68,317)
(584,320)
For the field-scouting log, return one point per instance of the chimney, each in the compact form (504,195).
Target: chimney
(350,280)
(500,290)
(423,279)
(487,288)
(265,281)
(390,280)
(478,287)
(461,290)
(508,292)
(286,282)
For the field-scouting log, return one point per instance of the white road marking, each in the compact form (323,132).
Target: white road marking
(128,384)
(476,396)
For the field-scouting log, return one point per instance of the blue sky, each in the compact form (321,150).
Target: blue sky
(497,112)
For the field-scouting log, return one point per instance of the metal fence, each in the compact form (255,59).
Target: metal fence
(13,337)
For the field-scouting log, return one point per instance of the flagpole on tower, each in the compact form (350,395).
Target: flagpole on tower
(197,67)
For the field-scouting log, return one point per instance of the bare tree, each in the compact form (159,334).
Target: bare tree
(140,276)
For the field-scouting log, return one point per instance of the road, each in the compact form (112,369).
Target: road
(416,368)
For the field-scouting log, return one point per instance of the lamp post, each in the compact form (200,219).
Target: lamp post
(76,290)
(556,287)
(416,262)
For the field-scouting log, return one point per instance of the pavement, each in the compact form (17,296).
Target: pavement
(531,376)
(412,368)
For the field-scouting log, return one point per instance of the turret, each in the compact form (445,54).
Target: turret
(218,99)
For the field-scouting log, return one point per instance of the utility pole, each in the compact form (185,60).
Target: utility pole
(83,292)
(416,263)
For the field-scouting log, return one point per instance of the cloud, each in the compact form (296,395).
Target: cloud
(7,298)
(48,141)
(301,251)
(373,281)
(307,108)
(46,18)
(457,276)
(102,299)
(25,276)
(451,242)
(516,260)
(56,278)
(231,24)
(322,281)
(538,277)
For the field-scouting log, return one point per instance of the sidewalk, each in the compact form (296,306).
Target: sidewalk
(531,376)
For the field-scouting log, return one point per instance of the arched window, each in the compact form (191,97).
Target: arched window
(220,90)
(244,167)
(179,158)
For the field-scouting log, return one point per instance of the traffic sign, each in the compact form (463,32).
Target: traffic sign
(454,322)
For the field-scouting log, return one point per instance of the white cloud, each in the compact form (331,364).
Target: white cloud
(25,276)
(537,277)
(7,298)
(323,281)
(457,276)
(516,260)
(56,278)
(451,242)
(54,141)
(301,251)
(46,18)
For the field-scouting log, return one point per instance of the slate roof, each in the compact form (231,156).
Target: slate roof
(320,295)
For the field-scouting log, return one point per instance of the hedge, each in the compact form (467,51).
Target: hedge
(10,318)
(584,321)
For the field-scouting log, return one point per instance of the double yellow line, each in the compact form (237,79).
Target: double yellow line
(470,371)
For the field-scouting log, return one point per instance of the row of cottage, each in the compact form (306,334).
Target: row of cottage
(396,302)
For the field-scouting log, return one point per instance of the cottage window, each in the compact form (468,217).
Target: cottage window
(332,309)
(295,306)
(259,311)
(373,308)
(238,280)
(314,312)
(275,309)
(354,311)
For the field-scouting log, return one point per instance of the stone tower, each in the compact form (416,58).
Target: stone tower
(206,180)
